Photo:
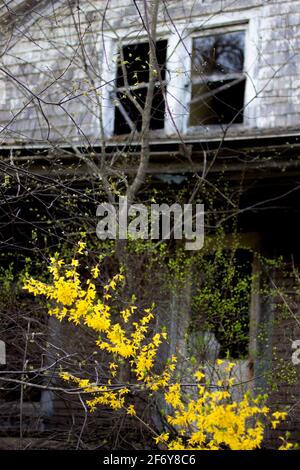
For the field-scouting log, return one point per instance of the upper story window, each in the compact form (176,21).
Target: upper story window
(132,83)
(218,80)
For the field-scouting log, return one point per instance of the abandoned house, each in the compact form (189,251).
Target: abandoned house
(224,109)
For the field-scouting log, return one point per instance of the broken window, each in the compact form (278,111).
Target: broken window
(132,83)
(222,305)
(218,80)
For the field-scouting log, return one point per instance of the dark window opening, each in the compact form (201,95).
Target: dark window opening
(217,102)
(12,390)
(218,81)
(222,305)
(133,79)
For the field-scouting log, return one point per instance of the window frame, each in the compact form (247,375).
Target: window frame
(111,94)
(178,68)
(220,28)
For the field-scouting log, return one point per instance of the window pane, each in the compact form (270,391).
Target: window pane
(136,63)
(157,111)
(217,102)
(218,54)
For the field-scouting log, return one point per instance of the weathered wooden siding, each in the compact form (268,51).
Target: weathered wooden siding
(48,93)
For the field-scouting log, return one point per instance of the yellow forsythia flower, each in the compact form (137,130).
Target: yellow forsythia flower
(81,247)
(208,419)
(199,375)
(131,411)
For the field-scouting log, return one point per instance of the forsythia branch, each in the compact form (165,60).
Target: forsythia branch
(210,420)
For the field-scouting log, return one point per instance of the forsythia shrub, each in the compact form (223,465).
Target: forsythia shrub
(210,420)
